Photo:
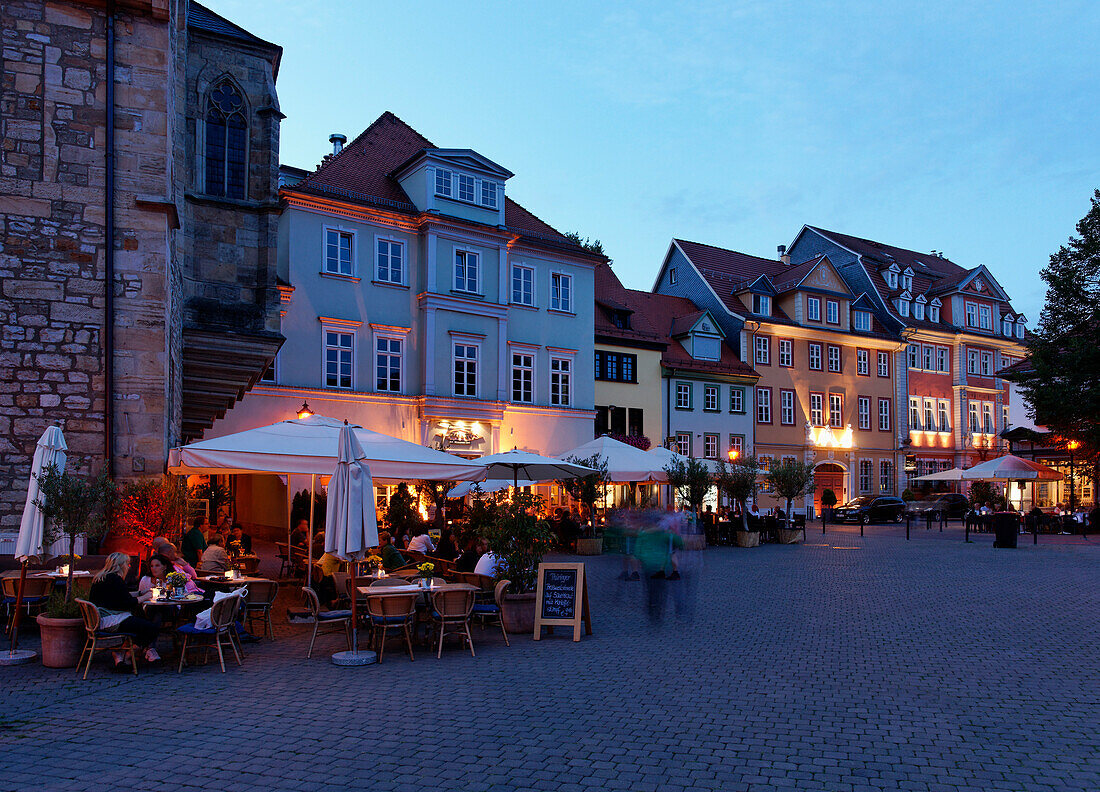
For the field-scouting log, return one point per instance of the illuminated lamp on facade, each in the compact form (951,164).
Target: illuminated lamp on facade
(304,411)
(825,437)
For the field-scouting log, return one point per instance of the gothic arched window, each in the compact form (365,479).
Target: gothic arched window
(226,142)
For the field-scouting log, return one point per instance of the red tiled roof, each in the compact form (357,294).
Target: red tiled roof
(683,324)
(362,172)
(725,269)
(611,294)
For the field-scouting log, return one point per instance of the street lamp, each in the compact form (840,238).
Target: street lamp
(734,454)
(1072,445)
(304,411)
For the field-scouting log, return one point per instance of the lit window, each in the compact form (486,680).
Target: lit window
(710,398)
(560,381)
(683,395)
(817,409)
(466,271)
(832,312)
(866,472)
(813,309)
(914,413)
(489,194)
(388,364)
(339,354)
(864,404)
(390,261)
(863,362)
(763,405)
(523,285)
(523,377)
(226,142)
(465,370)
(763,350)
(338,252)
(836,410)
(561,292)
(815,356)
(737,446)
(886,476)
(786,352)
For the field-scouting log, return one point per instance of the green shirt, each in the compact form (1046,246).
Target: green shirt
(192,546)
(391,559)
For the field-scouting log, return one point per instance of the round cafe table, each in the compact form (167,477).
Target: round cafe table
(219,582)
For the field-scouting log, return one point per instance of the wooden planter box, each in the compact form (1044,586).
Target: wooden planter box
(695,542)
(747,538)
(791,536)
(590,547)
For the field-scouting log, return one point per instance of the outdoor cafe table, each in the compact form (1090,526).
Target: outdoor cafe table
(387,591)
(237,582)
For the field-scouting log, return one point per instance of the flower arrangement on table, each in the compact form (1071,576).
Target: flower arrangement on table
(426,569)
(374,562)
(176,580)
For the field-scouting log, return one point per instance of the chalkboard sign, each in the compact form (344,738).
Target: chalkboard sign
(562,599)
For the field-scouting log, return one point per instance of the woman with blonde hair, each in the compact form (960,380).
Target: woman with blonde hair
(120,611)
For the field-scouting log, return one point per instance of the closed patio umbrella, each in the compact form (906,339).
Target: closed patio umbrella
(49,451)
(350,526)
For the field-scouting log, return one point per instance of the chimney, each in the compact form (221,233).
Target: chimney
(337,140)
(783,255)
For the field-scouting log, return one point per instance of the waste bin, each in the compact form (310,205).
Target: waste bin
(1006,529)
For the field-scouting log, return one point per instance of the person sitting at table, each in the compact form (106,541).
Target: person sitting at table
(239,541)
(327,592)
(446,547)
(214,558)
(391,556)
(488,563)
(120,611)
(194,541)
(169,551)
(159,567)
(421,543)
(300,533)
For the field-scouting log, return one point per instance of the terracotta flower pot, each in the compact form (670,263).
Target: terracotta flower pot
(518,613)
(62,640)
(747,538)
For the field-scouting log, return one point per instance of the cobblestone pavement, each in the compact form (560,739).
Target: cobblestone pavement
(845,664)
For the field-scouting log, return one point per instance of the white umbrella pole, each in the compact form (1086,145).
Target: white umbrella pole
(309,539)
(289,521)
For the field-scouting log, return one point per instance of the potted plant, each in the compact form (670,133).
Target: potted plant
(218,495)
(738,481)
(519,539)
(791,479)
(72,505)
(828,501)
(691,480)
(587,490)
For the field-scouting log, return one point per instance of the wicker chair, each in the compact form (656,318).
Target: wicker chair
(391,612)
(487,612)
(338,619)
(260,600)
(451,616)
(35,593)
(98,640)
(222,632)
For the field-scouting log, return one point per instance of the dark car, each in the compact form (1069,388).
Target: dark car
(951,505)
(880,508)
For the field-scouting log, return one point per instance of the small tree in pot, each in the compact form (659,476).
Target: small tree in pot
(691,480)
(588,489)
(519,539)
(738,481)
(828,501)
(791,479)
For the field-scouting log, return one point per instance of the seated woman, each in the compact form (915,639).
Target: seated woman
(120,611)
(214,558)
(391,556)
(239,542)
(159,567)
(468,560)
(446,547)
(421,543)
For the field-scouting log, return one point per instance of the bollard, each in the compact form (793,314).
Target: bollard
(928,521)
(907,520)
(1035,532)
(943,519)
(861,524)
(822,522)
(967,520)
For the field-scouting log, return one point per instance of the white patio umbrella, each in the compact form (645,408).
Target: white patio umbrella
(350,526)
(954,474)
(1010,468)
(624,462)
(464,488)
(49,451)
(532,466)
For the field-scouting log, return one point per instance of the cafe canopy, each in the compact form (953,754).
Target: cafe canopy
(625,463)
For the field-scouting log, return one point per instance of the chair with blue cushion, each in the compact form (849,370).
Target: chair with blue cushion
(391,612)
(222,631)
(95,637)
(332,621)
(35,593)
(486,612)
(451,616)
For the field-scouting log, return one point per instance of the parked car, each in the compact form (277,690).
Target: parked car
(951,505)
(880,508)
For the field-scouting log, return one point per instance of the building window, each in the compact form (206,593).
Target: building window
(834,359)
(710,446)
(918,310)
(561,292)
(929,415)
(815,356)
(786,352)
(884,364)
(836,410)
(339,357)
(863,363)
(886,476)
(465,187)
(987,364)
(786,407)
(465,369)
(616,367)
(985,317)
(832,312)
(629,367)
(972,361)
(737,446)
(866,472)
(973,415)
(817,409)
(560,381)
(763,350)
(683,395)
(914,356)
(737,400)
(1019,329)
(884,415)
(864,409)
(387,364)
(671,276)
(683,443)
(944,422)
(338,247)
(914,413)
(443,182)
(1006,326)
(987,417)
(489,194)
(1004,418)
(710,398)
(523,377)
(942,359)
(764,405)
(971,314)
(762,305)
(929,354)
(226,142)
(892,279)
(390,263)
(903,307)
(934,313)
(523,285)
(813,309)
(861,320)
(271,373)
(466,271)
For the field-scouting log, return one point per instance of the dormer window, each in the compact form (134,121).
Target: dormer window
(621,319)
(1006,326)
(671,276)
(465,188)
(443,182)
(489,194)
(918,310)
(934,313)
(907,280)
(903,307)
(1020,327)
(861,320)
(892,279)
(762,305)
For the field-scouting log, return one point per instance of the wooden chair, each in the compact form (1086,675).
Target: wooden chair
(35,593)
(223,631)
(248,565)
(338,619)
(98,640)
(391,612)
(486,612)
(451,616)
(259,601)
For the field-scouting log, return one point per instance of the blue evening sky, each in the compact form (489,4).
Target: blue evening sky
(969,128)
